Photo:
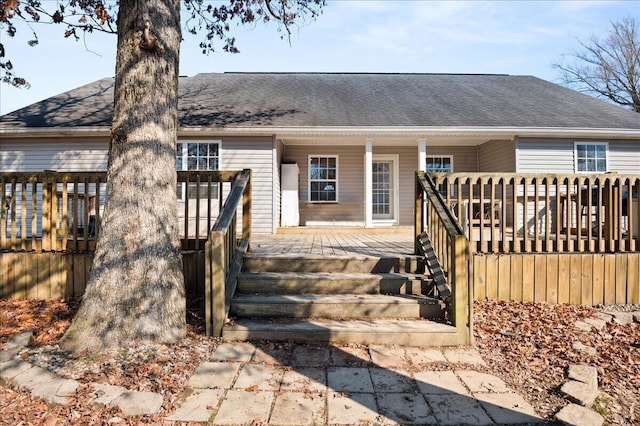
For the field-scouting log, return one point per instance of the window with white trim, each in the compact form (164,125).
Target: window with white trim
(197,155)
(591,157)
(323,178)
(440,164)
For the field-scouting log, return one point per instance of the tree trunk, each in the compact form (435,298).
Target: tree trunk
(135,293)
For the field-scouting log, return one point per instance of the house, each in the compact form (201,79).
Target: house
(349,144)
(535,199)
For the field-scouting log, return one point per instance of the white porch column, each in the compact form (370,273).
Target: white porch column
(368,183)
(422,155)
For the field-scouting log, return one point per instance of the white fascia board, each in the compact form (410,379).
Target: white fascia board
(314,132)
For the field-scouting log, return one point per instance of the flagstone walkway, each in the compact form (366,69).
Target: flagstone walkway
(348,385)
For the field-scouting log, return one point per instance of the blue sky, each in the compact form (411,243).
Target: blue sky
(505,37)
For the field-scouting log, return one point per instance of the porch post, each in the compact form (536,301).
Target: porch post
(422,155)
(368,183)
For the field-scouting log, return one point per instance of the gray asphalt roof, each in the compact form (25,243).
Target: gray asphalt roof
(350,100)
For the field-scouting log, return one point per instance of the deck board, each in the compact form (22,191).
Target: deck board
(327,243)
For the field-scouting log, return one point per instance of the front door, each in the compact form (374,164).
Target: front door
(384,188)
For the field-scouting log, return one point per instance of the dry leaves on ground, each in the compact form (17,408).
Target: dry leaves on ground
(530,346)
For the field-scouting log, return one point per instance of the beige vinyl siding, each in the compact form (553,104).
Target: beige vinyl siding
(256,154)
(497,156)
(556,155)
(350,206)
(63,155)
(624,156)
(465,158)
(544,156)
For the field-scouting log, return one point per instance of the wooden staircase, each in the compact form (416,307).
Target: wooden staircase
(336,299)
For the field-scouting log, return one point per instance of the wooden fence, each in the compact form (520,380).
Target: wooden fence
(550,213)
(64,275)
(575,278)
(51,211)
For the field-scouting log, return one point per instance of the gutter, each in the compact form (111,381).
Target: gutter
(343,131)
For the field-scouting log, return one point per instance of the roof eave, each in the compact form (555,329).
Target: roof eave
(425,132)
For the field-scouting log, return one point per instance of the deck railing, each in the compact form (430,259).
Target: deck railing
(451,247)
(224,253)
(531,213)
(60,211)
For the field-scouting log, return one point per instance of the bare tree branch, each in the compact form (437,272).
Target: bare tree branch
(608,68)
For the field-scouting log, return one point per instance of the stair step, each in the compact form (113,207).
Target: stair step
(328,283)
(335,306)
(318,263)
(378,331)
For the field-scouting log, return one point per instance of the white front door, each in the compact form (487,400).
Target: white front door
(384,189)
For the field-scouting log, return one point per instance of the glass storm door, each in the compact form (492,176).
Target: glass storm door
(383,189)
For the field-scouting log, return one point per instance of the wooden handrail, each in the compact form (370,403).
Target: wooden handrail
(224,253)
(435,223)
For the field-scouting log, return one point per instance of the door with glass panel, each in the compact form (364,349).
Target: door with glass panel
(384,181)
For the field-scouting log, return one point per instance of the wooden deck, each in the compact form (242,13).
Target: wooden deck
(337,242)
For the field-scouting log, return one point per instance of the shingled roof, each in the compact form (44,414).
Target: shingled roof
(307,100)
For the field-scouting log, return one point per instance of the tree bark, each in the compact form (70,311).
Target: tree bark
(135,294)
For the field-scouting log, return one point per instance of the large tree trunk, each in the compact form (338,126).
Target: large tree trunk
(135,293)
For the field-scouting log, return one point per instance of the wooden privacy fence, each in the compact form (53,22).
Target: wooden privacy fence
(433,218)
(531,213)
(60,211)
(224,253)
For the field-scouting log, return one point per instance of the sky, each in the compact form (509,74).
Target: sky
(475,37)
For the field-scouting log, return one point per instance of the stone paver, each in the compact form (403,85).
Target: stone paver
(105,393)
(458,409)
(388,356)
(242,407)
(573,414)
(463,356)
(133,403)
(195,407)
(582,325)
(508,408)
(350,356)
(586,350)
(580,393)
(295,408)
(306,385)
(420,357)
(310,356)
(353,409)
(259,377)
(271,356)
(405,409)
(603,316)
(622,318)
(11,368)
(440,383)
(305,380)
(347,379)
(481,382)
(240,352)
(391,381)
(597,323)
(585,374)
(214,375)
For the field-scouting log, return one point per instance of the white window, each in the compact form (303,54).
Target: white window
(591,157)
(440,164)
(323,178)
(197,155)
